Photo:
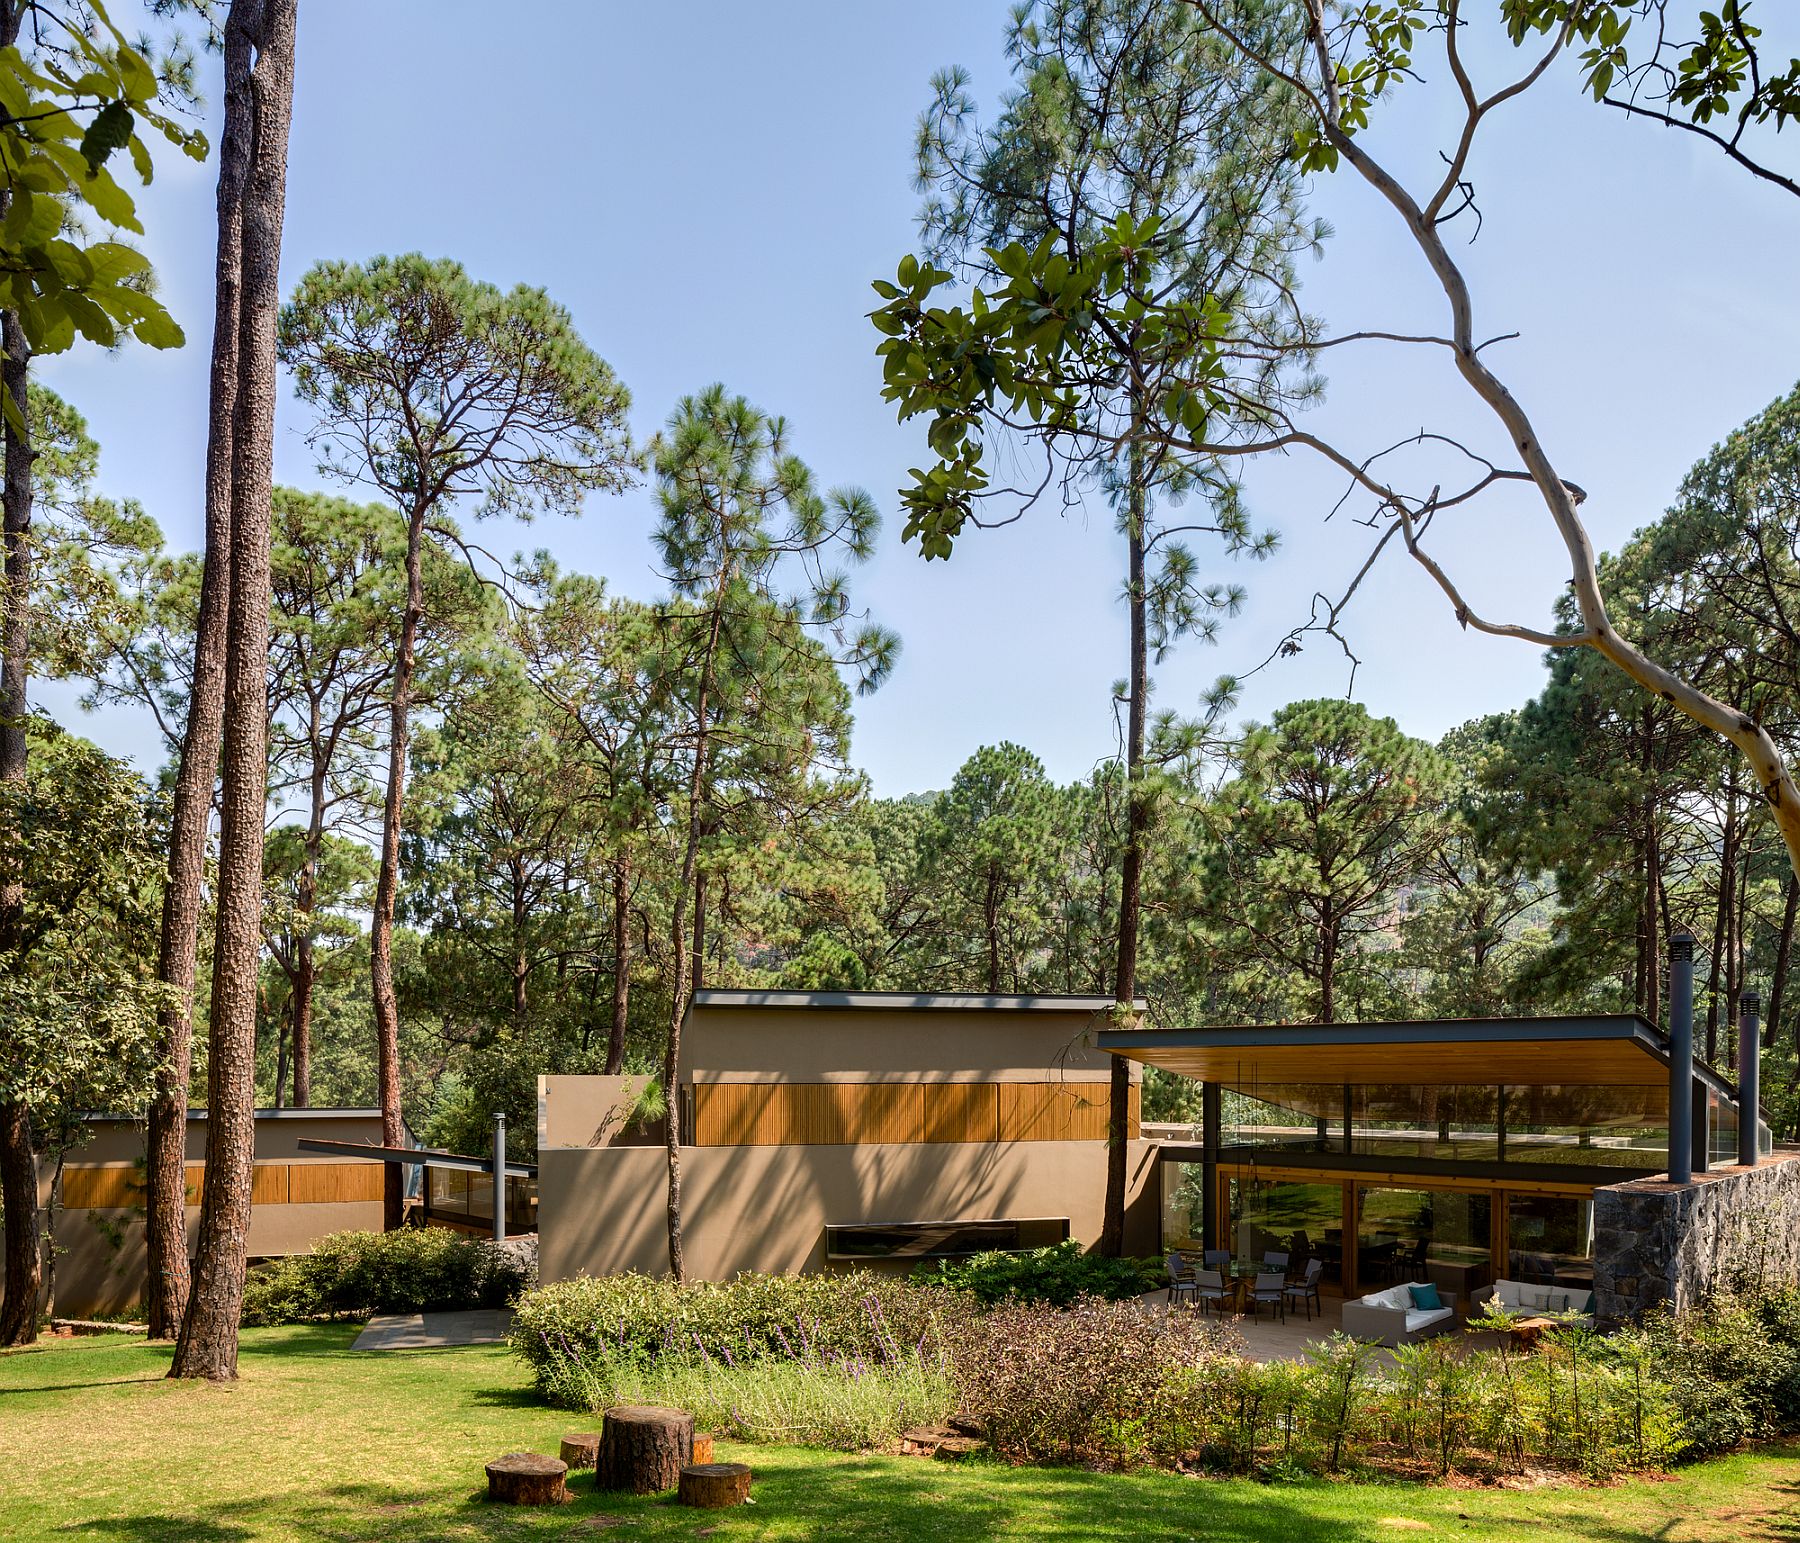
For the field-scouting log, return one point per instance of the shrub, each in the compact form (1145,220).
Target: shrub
(1058,1274)
(360,1274)
(820,1401)
(1732,1367)
(646,1320)
(1077,1382)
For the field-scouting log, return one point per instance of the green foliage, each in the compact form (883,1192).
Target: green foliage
(67,107)
(831,1401)
(649,1319)
(360,1274)
(1057,1275)
(79,998)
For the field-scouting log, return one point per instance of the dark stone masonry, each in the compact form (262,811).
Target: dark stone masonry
(1656,1242)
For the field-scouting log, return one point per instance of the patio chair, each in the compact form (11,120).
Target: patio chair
(1305,1291)
(1217,1259)
(1276,1259)
(1271,1290)
(1181,1282)
(1210,1290)
(1414,1266)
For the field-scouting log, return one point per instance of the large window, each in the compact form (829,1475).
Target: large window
(1434,1235)
(941,1240)
(1304,1117)
(1588,1126)
(1550,1239)
(1303,1221)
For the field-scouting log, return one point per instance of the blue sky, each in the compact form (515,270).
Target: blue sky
(709,188)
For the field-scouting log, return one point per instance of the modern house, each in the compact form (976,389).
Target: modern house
(296,1197)
(844,1128)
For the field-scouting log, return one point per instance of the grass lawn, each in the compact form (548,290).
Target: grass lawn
(316,1443)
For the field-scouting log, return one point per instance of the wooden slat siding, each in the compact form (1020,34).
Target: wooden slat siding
(870,1113)
(91,1187)
(193,1182)
(269,1184)
(961,1111)
(1053,1111)
(322,1183)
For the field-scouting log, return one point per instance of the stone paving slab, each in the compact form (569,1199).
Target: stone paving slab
(435,1331)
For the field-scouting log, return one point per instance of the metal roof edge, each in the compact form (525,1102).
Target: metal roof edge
(900,1001)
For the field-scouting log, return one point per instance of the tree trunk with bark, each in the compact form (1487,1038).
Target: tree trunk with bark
(621,984)
(165,1144)
(18,1153)
(1784,948)
(1131,863)
(207,1346)
(680,988)
(387,880)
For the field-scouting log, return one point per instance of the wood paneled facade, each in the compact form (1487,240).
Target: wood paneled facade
(866,1113)
(120,1186)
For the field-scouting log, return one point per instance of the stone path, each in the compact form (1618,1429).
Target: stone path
(434,1331)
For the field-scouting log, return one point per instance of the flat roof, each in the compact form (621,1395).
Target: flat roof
(310,1112)
(908,1001)
(1617,1050)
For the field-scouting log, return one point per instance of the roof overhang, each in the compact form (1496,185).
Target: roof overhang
(1602,1050)
(429,1156)
(907,1001)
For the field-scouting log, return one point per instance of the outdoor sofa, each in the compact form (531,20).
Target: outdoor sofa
(1388,1317)
(1573,1303)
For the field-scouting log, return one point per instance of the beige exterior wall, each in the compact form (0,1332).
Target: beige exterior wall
(584,1111)
(603,1210)
(100,1266)
(939,1043)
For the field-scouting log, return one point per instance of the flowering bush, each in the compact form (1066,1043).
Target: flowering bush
(644,1320)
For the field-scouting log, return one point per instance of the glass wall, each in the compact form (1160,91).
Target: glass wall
(1450,1124)
(1183,1203)
(1441,1236)
(1550,1240)
(1606,1127)
(1304,1221)
(1305,1117)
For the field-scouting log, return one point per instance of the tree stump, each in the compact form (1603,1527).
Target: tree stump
(527,1478)
(703,1446)
(643,1448)
(714,1485)
(580,1449)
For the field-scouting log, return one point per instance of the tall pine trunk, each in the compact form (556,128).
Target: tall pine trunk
(621,983)
(678,924)
(207,1346)
(18,1152)
(1784,948)
(165,1146)
(1131,864)
(387,880)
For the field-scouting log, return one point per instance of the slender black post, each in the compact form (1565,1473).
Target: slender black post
(1681,1058)
(500,1178)
(1749,1077)
(1211,1110)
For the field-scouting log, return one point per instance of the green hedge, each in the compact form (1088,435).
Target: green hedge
(1057,1275)
(360,1274)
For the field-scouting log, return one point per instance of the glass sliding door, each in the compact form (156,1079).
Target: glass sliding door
(1550,1240)
(1303,1221)
(1418,1235)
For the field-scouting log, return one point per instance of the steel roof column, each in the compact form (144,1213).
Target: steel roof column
(1681,1058)
(500,1178)
(1211,1109)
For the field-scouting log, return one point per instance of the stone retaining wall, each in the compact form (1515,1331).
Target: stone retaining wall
(1656,1242)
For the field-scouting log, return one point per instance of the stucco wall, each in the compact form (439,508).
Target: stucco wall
(604,1210)
(937,1044)
(1656,1242)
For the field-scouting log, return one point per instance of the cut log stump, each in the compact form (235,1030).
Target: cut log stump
(643,1448)
(703,1446)
(954,1449)
(580,1449)
(527,1478)
(714,1485)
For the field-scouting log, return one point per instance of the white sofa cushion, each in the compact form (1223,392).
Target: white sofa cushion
(1392,1296)
(1506,1293)
(1419,1317)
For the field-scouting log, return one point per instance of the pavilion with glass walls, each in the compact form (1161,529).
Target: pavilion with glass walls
(1460,1152)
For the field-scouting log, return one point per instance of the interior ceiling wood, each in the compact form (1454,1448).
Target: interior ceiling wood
(1621,1061)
